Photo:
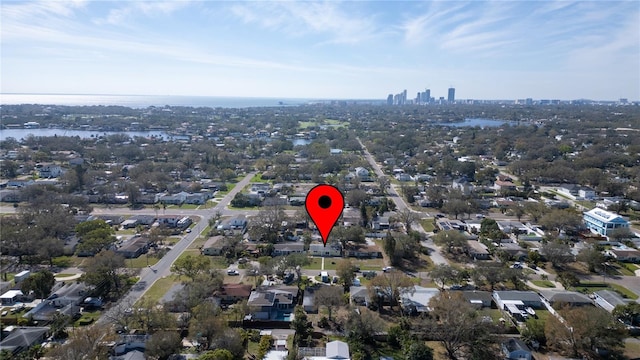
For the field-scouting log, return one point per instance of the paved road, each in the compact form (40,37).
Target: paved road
(436,254)
(162,268)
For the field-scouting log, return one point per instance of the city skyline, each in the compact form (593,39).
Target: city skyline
(325,50)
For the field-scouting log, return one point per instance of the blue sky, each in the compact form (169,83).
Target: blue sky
(332,49)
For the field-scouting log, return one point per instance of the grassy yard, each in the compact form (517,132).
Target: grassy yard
(315,264)
(159,288)
(589,287)
(427,225)
(543,283)
(141,262)
(87,318)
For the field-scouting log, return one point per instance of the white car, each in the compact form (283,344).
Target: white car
(232,272)
(387,268)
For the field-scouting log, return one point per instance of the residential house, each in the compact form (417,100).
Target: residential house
(604,222)
(287,249)
(273,303)
(519,299)
(381,223)
(49,171)
(446,224)
(332,249)
(260,188)
(22,338)
(478,299)
(478,250)
(516,349)
(11,297)
(214,246)
(417,301)
(500,185)
(625,254)
(196,199)
(309,300)
(169,220)
(577,192)
(560,298)
(608,299)
(232,293)
(463,185)
(362,174)
(175,199)
(334,350)
(359,295)
(403,177)
(134,247)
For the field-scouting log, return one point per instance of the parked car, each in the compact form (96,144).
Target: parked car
(232,272)
(387,268)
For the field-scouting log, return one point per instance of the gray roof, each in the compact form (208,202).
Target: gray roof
(337,350)
(611,297)
(569,297)
(518,295)
(515,344)
(23,338)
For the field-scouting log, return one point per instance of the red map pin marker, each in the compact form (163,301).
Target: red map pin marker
(324,205)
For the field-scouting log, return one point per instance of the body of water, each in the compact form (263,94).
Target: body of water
(144,101)
(473,122)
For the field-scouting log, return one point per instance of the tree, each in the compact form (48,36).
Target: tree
(443,273)
(94,235)
(191,265)
(264,346)
(362,325)
(391,285)
(489,229)
(535,210)
(418,350)
(345,271)
(356,197)
(407,217)
(567,279)
(102,271)
(217,354)
(40,283)
(206,324)
(456,325)
(49,248)
(534,331)
(491,273)
(301,325)
(384,183)
(58,325)
(84,343)
(457,207)
(558,253)
(621,234)
(267,224)
(163,344)
(560,219)
(450,239)
(592,257)
(330,297)
(586,331)
(628,314)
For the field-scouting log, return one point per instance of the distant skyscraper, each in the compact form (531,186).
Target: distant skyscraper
(390,99)
(427,96)
(452,95)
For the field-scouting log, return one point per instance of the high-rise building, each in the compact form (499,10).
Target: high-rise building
(427,96)
(452,95)
(390,99)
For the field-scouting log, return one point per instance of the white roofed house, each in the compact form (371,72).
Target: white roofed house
(604,222)
(333,249)
(50,170)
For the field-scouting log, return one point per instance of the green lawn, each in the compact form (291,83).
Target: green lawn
(159,288)
(315,264)
(543,283)
(427,225)
(141,262)
(88,317)
(589,287)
